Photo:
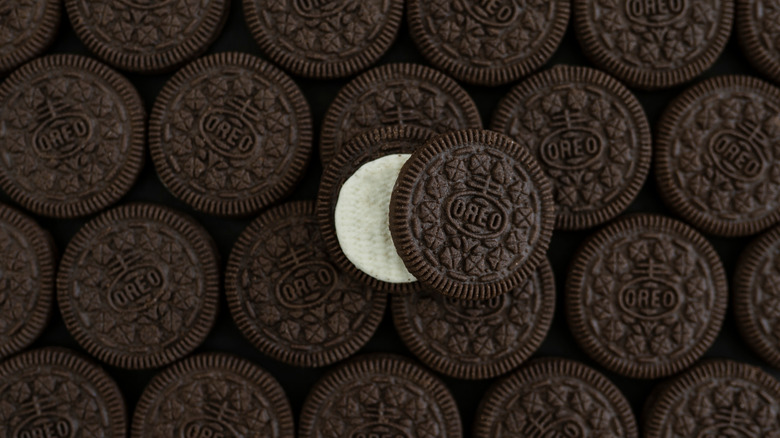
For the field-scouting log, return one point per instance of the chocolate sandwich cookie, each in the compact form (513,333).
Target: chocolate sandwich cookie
(230,134)
(715,158)
(27,28)
(756,296)
(26,280)
(73,136)
(213,396)
(379,395)
(554,398)
(717,398)
(653,44)
(147,36)
(288,298)
(54,392)
(477,339)
(471,214)
(138,286)
(646,296)
(396,94)
(324,38)
(488,42)
(589,135)
(758,32)
(353,206)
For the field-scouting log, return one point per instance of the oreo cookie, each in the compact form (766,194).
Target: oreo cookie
(289,299)
(646,296)
(73,136)
(716,398)
(212,396)
(27,28)
(477,339)
(324,38)
(756,295)
(26,280)
(230,134)
(396,94)
(353,206)
(138,286)
(54,392)
(653,44)
(488,42)
(379,395)
(758,35)
(147,36)
(554,398)
(589,134)
(715,160)
(471,214)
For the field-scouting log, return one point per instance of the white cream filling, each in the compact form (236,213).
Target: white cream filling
(362,220)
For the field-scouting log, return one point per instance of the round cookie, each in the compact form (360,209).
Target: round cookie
(288,298)
(758,32)
(230,134)
(27,28)
(488,42)
(396,94)
(138,286)
(213,395)
(472,214)
(717,398)
(324,39)
(715,158)
(589,134)
(554,398)
(147,36)
(651,44)
(756,295)
(54,392)
(477,339)
(354,221)
(26,280)
(379,395)
(73,136)
(646,296)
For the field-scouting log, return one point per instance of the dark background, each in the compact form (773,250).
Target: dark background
(225,337)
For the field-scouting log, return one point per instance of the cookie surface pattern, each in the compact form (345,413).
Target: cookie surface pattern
(324,39)
(27,27)
(758,29)
(287,296)
(73,136)
(717,160)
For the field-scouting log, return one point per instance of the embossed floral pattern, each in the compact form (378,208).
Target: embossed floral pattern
(294,302)
(67,135)
(724,154)
(213,403)
(20,281)
(658,36)
(137,287)
(18,22)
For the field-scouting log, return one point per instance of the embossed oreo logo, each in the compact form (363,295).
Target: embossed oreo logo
(738,153)
(206,429)
(135,284)
(476,215)
(318,8)
(547,427)
(655,12)
(306,285)
(45,426)
(648,298)
(496,13)
(571,149)
(474,309)
(231,131)
(61,136)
